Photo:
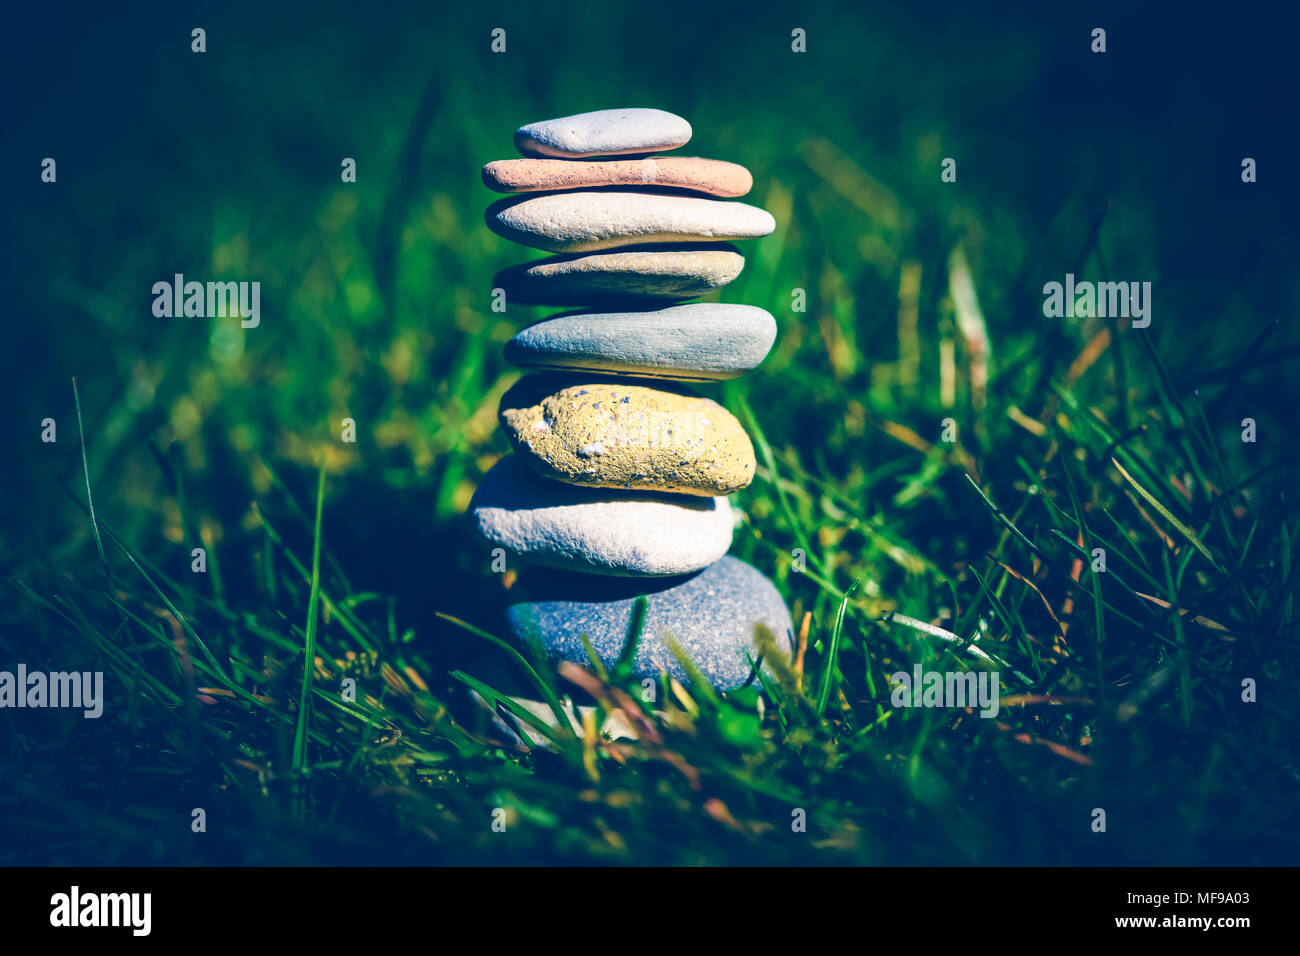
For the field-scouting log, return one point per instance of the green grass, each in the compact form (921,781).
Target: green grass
(1127,703)
(1121,690)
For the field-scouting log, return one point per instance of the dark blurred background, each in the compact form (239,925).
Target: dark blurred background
(225,165)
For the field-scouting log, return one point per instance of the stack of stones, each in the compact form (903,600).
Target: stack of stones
(619,481)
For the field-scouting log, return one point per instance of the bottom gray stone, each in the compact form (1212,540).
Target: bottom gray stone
(712,614)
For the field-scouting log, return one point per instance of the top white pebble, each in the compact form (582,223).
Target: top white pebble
(604,133)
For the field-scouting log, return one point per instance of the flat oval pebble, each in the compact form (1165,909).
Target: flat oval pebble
(590,220)
(701,341)
(604,133)
(600,531)
(712,176)
(658,273)
(712,615)
(618,434)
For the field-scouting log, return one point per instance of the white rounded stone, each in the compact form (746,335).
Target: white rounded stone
(604,133)
(587,220)
(599,530)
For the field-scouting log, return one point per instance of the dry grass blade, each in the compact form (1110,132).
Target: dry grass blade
(1165,513)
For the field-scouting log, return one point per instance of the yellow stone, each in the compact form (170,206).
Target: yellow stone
(616,434)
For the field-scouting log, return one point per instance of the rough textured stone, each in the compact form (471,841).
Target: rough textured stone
(620,434)
(712,615)
(702,341)
(649,274)
(604,133)
(588,220)
(601,531)
(712,176)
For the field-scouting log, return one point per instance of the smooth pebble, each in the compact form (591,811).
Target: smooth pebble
(588,220)
(700,341)
(712,176)
(599,531)
(604,133)
(658,273)
(713,615)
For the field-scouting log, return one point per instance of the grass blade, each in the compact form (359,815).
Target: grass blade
(1001,516)
(1185,531)
(634,628)
(313,603)
(85,470)
(497,699)
(832,652)
(543,688)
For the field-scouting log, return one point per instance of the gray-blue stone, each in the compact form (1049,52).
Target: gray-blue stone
(697,342)
(712,614)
